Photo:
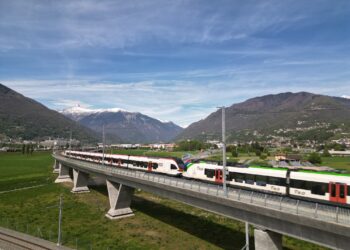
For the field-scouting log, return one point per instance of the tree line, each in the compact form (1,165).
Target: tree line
(27,149)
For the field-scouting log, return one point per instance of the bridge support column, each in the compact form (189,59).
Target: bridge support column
(267,240)
(119,199)
(56,167)
(80,180)
(63,175)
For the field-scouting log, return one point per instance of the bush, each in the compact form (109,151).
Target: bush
(315,158)
(263,157)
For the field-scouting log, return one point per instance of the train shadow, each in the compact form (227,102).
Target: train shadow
(222,236)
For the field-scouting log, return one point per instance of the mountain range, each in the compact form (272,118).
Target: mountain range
(124,126)
(294,114)
(22,117)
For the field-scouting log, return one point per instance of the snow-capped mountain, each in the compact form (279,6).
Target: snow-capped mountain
(77,112)
(123,126)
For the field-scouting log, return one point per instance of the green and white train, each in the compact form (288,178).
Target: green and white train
(326,187)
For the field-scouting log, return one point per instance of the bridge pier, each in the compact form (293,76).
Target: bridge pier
(267,240)
(63,175)
(119,199)
(56,167)
(80,180)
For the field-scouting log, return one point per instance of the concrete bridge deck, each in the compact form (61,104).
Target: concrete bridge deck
(321,224)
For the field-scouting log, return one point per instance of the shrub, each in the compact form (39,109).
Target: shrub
(314,158)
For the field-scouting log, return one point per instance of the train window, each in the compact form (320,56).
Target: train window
(298,184)
(209,173)
(261,180)
(230,176)
(154,165)
(172,166)
(275,181)
(317,188)
(333,193)
(249,179)
(341,191)
(239,177)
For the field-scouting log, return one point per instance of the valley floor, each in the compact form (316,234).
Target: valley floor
(158,223)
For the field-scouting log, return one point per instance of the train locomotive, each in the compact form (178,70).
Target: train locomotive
(323,187)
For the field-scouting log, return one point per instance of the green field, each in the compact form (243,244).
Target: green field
(342,163)
(18,170)
(158,223)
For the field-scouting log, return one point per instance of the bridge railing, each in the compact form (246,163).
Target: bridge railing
(323,212)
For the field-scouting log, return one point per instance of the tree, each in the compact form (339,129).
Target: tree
(258,152)
(234,153)
(326,153)
(314,158)
(23,149)
(191,145)
(27,149)
(31,148)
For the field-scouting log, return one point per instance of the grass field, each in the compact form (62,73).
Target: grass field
(342,163)
(158,223)
(18,171)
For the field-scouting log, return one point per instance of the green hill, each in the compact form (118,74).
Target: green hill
(22,117)
(297,115)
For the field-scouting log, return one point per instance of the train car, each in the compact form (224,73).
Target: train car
(271,180)
(322,186)
(261,179)
(204,171)
(169,166)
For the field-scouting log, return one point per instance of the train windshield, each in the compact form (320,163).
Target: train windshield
(180,163)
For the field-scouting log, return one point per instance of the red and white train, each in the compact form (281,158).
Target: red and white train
(169,166)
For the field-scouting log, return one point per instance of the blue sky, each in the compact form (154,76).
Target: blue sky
(172,60)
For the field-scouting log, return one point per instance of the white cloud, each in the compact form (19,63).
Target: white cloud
(121,24)
(182,102)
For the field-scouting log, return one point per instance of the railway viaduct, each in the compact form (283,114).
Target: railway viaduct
(272,216)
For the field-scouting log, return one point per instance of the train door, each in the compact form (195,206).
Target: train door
(149,166)
(337,192)
(218,175)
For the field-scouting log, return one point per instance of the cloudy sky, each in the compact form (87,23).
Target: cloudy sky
(173,60)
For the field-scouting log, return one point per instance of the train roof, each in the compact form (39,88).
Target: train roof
(268,168)
(324,173)
(304,171)
(144,156)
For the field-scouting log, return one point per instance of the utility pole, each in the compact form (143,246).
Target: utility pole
(70,141)
(60,221)
(246,236)
(223,151)
(103,144)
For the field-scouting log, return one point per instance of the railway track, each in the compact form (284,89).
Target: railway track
(12,240)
